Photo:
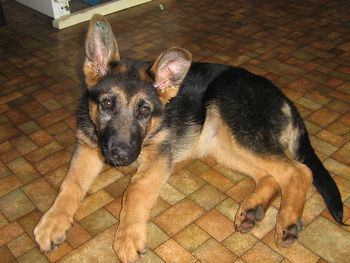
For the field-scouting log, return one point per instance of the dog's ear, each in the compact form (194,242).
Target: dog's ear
(169,70)
(101,49)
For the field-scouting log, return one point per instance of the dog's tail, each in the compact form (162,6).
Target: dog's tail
(323,181)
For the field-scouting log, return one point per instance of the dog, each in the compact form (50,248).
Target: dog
(158,114)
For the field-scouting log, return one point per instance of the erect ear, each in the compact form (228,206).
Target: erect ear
(101,49)
(169,70)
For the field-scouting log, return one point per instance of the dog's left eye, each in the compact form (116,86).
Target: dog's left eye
(144,111)
(107,104)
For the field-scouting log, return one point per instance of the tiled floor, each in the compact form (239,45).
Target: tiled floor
(303,46)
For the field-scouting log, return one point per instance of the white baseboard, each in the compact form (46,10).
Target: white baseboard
(87,13)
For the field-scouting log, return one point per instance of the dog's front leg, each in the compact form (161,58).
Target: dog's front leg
(139,198)
(85,166)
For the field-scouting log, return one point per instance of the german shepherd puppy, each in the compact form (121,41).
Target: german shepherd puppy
(163,112)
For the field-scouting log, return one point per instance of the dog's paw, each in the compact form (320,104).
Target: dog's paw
(245,220)
(285,237)
(130,242)
(51,230)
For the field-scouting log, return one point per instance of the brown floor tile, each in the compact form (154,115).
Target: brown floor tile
(118,188)
(322,146)
(41,193)
(234,176)
(186,182)
(29,127)
(213,252)
(41,137)
(156,236)
(217,180)
(170,194)
(33,255)
(60,252)
(344,186)
(342,155)
(15,204)
(77,235)
(43,152)
(207,197)
(216,225)
(338,106)
(316,237)
(8,184)
(4,171)
(159,207)
(56,176)
(313,208)
(104,179)
(331,138)
(178,216)
(23,170)
(57,128)
(53,161)
(21,245)
(114,207)
(228,208)
(239,243)
(97,222)
(191,237)
(9,155)
(337,167)
(197,167)
(240,190)
(171,251)
(3,220)
(92,203)
(261,253)
(29,222)
(23,144)
(6,255)
(323,117)
(9,232)
(266,224)
(33,109)
(338,128)
(53,117)
(98,249)
(151,257)
(296,253)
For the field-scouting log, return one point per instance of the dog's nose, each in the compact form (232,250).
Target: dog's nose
(120,152)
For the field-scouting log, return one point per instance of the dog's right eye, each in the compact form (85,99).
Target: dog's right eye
(107,104)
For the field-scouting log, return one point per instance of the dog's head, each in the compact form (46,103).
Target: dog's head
(126,98)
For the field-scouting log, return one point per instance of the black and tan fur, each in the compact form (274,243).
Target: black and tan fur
(158,114)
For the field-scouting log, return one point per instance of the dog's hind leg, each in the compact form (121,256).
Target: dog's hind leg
(294,180)
(254,205)
(85,166)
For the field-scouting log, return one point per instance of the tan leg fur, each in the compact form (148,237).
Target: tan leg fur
(139,198)
(85,166)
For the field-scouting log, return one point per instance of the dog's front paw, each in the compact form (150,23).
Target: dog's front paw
(130,242)
(51,230)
